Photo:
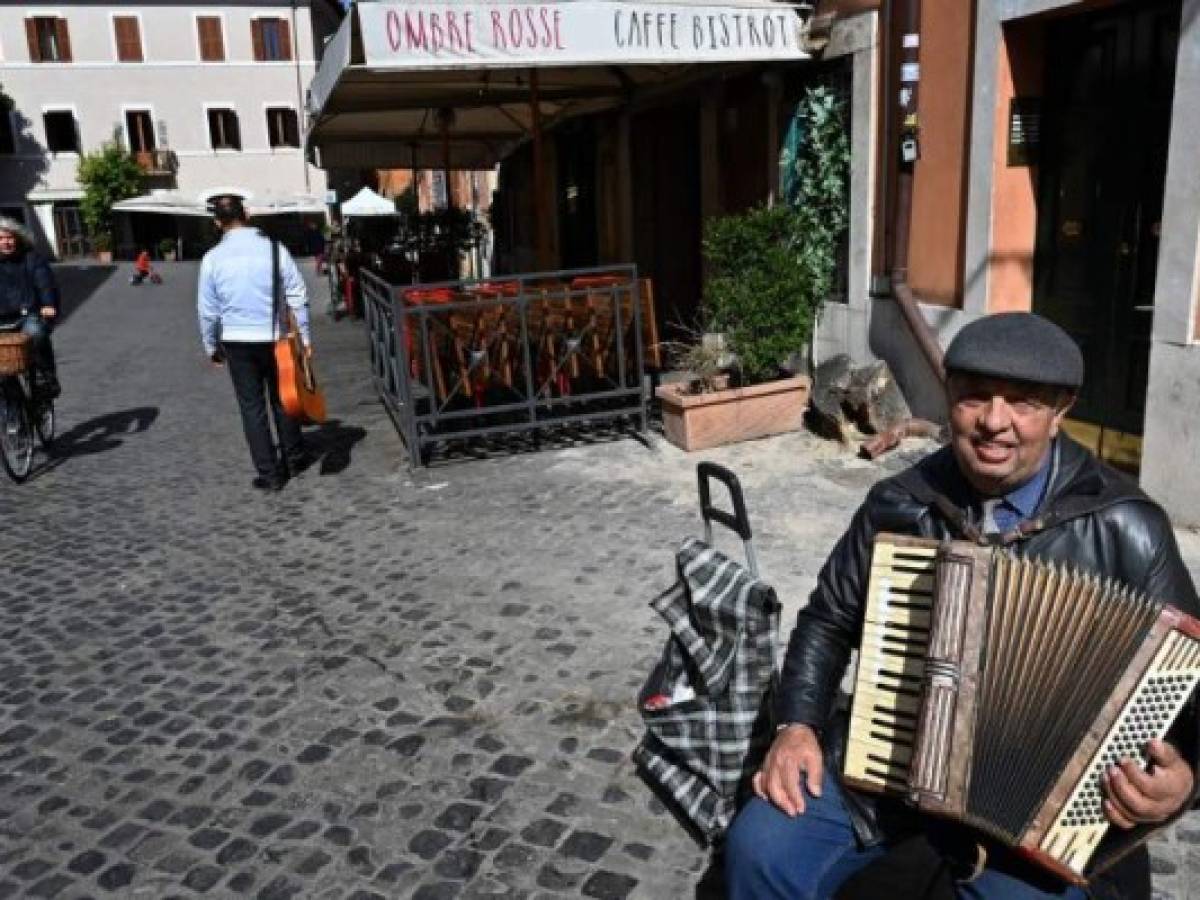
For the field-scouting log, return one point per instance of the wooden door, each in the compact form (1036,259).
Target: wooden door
(1106,125)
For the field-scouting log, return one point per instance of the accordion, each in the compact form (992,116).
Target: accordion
(995,691)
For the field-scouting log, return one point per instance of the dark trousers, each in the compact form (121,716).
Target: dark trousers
(255,382)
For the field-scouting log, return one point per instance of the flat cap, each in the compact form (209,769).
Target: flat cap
(1020,346)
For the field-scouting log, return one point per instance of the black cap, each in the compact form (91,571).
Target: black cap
(1019,346)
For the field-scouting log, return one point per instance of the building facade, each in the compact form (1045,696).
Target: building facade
(1056,174)
(206,97)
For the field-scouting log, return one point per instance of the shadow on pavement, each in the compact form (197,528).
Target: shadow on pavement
(332,443)
(99,435)
(453,451)
(77,283)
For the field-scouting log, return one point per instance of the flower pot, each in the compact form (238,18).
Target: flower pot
(104,256)
(700,421)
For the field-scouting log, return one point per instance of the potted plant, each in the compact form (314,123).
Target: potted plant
(166,249)
(769,271)
(102,246)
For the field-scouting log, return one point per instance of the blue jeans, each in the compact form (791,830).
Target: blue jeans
(769,855)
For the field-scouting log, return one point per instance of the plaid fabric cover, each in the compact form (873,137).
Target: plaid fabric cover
(704,751)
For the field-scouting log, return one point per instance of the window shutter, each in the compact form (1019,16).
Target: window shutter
(235,131)
(212,47)
(64,40)
(285,40)
(31,35)
(129,39)
(256,37)
(291,128)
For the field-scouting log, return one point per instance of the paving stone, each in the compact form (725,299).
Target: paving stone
(458,864)
(429,843)
(31,869)
(609,886)
(313,863)
(51,886)
(458,816)
(279,888)
(203,878)
(586,845)
(543,832)
(116,876)
(265,825)
(236,851)
(208,838)
(87,862)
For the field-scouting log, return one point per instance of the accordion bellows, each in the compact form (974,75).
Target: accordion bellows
(996,690)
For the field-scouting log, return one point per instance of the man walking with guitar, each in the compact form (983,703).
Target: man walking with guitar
(244,282)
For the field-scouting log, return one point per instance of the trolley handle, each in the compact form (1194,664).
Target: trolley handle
(738,521)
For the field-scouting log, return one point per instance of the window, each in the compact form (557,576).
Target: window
(128,33)
(212,40)
(140,129)
(49,40)
(8,136)
(61,134)
(223,132)
(283,129)
(271,39)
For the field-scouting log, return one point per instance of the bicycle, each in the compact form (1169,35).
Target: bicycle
(25,410)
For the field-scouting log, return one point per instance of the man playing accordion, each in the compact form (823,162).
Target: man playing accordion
(1008,476)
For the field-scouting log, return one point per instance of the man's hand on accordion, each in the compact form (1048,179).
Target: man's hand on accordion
(1138,797)
(796,752)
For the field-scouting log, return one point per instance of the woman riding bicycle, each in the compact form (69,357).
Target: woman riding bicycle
(29,295)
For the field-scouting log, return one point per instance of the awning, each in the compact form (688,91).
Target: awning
(177,203)
(420,85)
(368,203)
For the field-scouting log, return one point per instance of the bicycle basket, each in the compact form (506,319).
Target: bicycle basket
(14,353)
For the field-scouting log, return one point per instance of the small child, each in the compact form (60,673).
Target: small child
(141,268)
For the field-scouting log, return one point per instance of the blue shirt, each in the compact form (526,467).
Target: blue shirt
(1021,503)
(234,302)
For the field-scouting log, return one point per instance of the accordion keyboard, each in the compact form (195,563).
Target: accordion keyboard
(891,666)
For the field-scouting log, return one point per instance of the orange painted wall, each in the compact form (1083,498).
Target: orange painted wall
(1014,189)
(936,242)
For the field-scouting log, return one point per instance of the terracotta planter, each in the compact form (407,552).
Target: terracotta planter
(104,256)
(700,421)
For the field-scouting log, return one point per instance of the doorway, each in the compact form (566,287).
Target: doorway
(1105,130)
(69,238)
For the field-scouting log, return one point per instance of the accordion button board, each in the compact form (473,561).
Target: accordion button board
(996,690)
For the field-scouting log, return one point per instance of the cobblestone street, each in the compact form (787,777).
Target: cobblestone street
(377,683)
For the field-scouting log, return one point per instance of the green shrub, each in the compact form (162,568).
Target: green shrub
(756,294)
(108,176)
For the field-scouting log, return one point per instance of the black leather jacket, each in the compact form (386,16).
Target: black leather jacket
(1092,517)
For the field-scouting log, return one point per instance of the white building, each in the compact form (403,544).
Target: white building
(207,97)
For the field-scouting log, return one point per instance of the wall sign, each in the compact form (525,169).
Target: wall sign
(583,32)
(1024,130)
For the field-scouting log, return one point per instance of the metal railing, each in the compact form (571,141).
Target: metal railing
(522,353)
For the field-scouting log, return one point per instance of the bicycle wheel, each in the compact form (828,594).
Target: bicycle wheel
(41,410)
(16,434)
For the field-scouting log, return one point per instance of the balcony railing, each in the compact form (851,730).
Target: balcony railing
(157,162)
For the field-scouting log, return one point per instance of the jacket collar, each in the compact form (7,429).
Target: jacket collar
(1079,484)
